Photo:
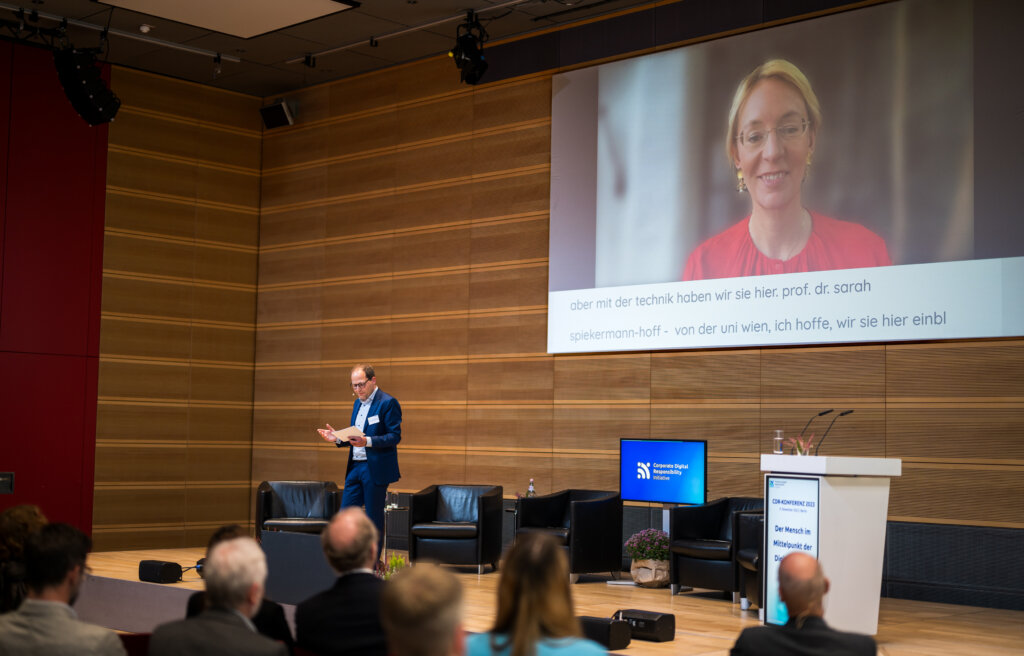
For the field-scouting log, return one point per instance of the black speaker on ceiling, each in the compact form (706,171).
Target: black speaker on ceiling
(79,74)
(277,115)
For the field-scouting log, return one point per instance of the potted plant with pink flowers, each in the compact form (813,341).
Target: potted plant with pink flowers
(649,551)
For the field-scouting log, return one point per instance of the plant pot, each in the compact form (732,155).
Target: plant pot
(650,573)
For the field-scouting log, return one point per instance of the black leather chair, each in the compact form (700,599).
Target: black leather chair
(587,523)
(456,524)
(298,506)
(750,556)
(702,552)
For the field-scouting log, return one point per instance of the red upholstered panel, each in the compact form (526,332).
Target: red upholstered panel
(52,186)
(54,225)
(44,442)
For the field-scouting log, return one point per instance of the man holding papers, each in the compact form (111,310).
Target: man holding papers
(373,437)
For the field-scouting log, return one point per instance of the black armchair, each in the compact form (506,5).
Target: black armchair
(702,552)
(456,524)
(750,556)
(298,506)
(587,523)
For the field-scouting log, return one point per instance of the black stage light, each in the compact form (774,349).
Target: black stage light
(80,76)
(468,52)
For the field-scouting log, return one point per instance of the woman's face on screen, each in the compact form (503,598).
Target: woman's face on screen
(773,143)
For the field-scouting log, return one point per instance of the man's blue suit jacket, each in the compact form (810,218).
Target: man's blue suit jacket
(382,457)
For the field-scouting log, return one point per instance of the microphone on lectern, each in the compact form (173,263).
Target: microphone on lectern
(841,414)
(820,414)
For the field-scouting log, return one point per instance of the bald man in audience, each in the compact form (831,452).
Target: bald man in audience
(421,610)
(344,620)
(802,587)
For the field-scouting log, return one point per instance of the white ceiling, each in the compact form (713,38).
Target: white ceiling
(242,18)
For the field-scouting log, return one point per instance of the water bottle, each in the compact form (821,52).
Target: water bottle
(530,492)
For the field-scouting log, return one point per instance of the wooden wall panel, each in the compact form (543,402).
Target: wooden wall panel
(127,211)
(800,375)
(522,381)
(141,460)
(511,332)
(586,471)
(512,471)
(125,422)
(730,429)
(607,377)
(956,431)
(510,426)
(283,425)
(518,286)
(986,371)
(709,375)
(979,495)
(177,344)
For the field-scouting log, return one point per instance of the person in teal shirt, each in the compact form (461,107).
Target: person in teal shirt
(535,612)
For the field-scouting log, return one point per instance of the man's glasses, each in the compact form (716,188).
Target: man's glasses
(756,139)
(359,385)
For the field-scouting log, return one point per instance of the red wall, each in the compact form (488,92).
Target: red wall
(52,194)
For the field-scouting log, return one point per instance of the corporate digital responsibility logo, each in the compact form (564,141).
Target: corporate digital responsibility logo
(659,472)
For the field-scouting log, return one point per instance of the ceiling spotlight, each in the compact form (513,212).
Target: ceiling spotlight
(145,28)
(468,52)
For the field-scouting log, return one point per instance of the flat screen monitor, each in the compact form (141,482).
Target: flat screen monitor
(663,471)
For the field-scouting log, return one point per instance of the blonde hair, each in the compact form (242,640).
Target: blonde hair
(534,601)
(421,610)
(778,69)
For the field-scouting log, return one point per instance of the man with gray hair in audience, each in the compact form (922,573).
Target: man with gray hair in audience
(235,573)
(345,618)
(421,610)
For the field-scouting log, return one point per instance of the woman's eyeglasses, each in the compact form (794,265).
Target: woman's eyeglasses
(756,139)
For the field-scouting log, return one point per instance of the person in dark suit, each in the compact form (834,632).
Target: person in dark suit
(344,620)
(235,573)
(269,618)
(373,457)
(802,587)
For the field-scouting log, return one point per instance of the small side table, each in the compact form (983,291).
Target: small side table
(388,509)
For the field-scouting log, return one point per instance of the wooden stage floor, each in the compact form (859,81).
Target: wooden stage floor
(706,623)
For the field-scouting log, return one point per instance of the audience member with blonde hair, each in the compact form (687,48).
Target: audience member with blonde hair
(421,610)
(535,610)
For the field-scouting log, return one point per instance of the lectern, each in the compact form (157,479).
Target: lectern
(833,508)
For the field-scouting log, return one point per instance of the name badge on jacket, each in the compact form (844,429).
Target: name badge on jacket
(373,420)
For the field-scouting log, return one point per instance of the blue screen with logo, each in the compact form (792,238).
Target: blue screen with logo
(663,471)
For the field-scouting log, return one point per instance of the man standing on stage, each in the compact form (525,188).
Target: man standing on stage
(373,458)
